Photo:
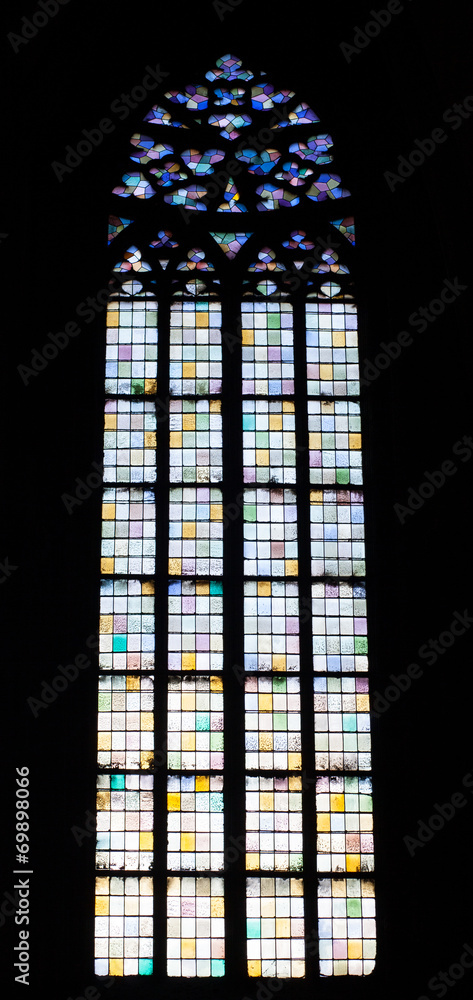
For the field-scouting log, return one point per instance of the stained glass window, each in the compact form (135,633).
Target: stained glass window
(234,798)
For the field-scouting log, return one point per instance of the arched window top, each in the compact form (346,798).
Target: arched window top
(216,151)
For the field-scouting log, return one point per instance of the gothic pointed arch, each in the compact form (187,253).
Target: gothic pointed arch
(234,806)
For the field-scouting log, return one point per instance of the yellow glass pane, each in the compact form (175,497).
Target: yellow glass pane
(326,371)
(355,949)
(202,783)
(254,967)
(188,529)
(337,803)
(188,369)
(146,841)
(101,906)
(174,566)
(187,841)
(116,967)
(150,386)
(247,337)
(323,822)
(354,441)
(174,801)
(264,588)
(188,661)
(113,319)
(106,623)
(108,511)
(338,338)
(188,948)
(202,319)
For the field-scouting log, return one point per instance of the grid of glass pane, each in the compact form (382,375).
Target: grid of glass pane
(344,824)
(270,533)
(195,927)
(339,627)
(195,531)
(128,531)
(125,721)
(335,442)
(195,349)
(127,625)
(195,723)
(275,927)
(195,441)
(332,349)
(273,824)
(195,823)
(337,533)
(272,723)
(195,625)
(347,926)
(129,441)
(132,347)
(269,441)
(123,926)
(124,821)
(342,724)
(268,349)
(271,625)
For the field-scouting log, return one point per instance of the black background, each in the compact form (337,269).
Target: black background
(392,92)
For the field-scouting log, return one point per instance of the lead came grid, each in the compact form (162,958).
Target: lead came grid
(125,721)
(275,927)
(195,625)
(272,723)
(128,531)
(123,926)
(268,349)
(337,533)
(347,926)
(270,533)
(332,349)
(335,442)
(195,643)
(195,531)
(269,441)
(129,441)
(344,824)
(195,441)
(195,723)
(132,347)
(274,824)
(124,821)
(127,625)
(342,724)
(339,627)
(195,349)
(195,823)
(271,625)
(195,927)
